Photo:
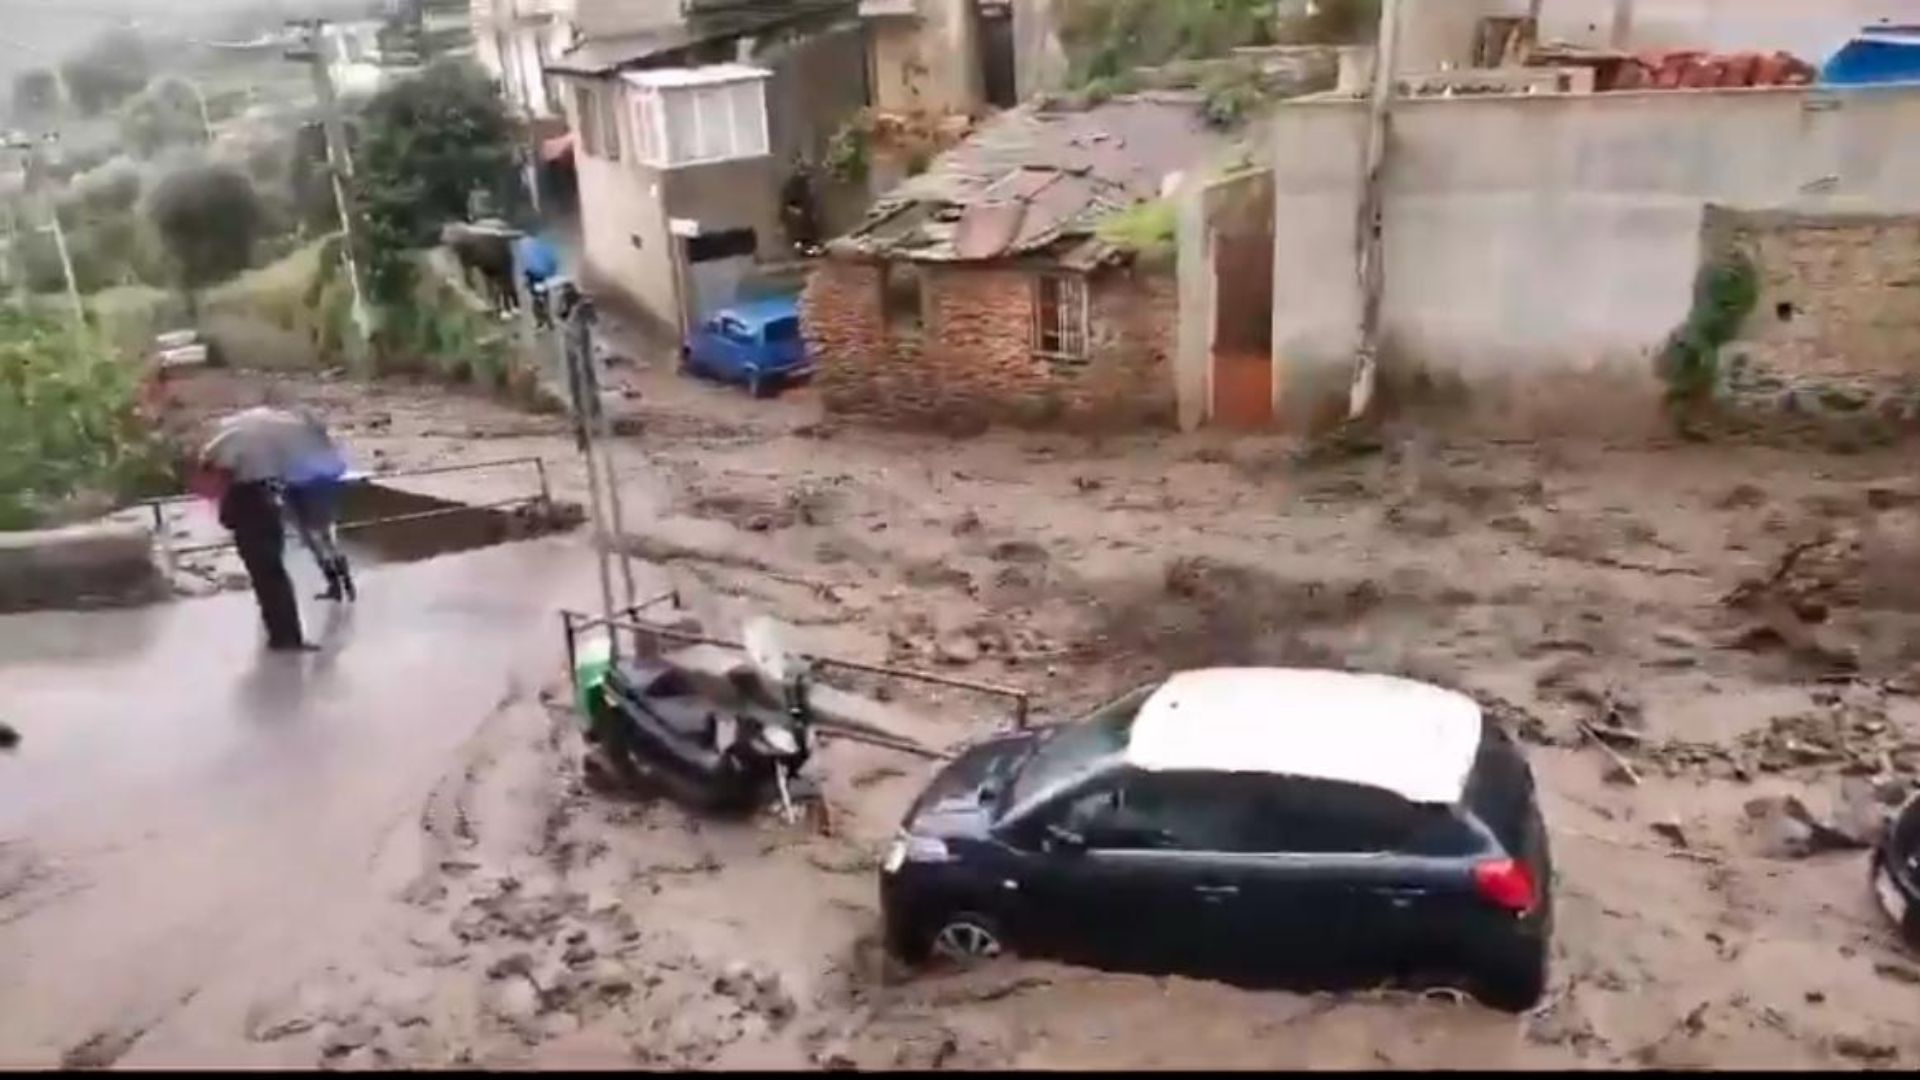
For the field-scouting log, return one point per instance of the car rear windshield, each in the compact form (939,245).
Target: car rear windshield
(780,330)
(1500,788)
(1073,748)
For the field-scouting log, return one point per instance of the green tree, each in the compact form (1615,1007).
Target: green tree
(165,114)
(1333,22)
(208,218)
(1107,39)
(426,145)
(109,71)
(36,95)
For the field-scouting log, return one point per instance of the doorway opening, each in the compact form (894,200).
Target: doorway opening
(1241,230)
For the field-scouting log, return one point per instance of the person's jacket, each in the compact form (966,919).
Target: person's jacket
(250,508)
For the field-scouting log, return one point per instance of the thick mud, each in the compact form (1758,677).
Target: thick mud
(1707,712)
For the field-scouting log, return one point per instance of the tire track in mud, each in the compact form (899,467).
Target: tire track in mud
(500,951)
(105,1047)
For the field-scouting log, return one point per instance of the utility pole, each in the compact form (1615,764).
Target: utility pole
(66,267)
(313,52)
(1371,222)
(1622,30)
(35,173)
(200,99)
(16,280)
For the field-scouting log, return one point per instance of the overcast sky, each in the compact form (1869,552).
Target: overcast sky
(34,33)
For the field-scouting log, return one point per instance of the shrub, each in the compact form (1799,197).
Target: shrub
(69,422)
(1724,294)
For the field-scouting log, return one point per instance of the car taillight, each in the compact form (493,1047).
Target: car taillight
(1506,884)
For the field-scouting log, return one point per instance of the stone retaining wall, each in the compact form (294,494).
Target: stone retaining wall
(82,566)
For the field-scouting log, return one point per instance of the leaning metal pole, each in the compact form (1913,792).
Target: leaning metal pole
(1369,238)
(584,396)
(603,442)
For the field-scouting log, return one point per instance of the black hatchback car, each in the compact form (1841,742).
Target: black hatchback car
(1271,826)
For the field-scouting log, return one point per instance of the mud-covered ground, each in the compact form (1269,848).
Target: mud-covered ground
(1685,729)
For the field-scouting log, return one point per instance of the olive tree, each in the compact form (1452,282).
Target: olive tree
(208,218)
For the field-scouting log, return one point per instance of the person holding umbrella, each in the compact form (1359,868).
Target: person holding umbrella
(247,458)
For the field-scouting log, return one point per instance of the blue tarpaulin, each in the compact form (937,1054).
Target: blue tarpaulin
(1879,54)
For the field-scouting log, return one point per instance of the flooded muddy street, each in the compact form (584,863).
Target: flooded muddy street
(385,854)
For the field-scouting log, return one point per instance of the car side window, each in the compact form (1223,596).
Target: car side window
(1326,817)
(1200,812)
(1102,819)
(1089,810)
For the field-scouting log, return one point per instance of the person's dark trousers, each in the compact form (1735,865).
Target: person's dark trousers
(250,512)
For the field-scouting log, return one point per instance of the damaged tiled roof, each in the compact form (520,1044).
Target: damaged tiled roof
(1032,180)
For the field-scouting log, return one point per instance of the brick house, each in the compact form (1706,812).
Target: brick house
(983,289)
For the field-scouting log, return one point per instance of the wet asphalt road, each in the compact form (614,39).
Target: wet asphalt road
(190,818)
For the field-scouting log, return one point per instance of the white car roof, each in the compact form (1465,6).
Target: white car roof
(1410,738)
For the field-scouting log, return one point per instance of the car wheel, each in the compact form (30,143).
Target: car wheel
(967,939)
(1516,982)
(686,360)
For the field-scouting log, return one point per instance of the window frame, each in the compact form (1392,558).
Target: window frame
(893,274)
(608,116)
(1072,325)
(586,119)
(710,119)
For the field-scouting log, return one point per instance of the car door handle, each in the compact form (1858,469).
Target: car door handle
(1214,892)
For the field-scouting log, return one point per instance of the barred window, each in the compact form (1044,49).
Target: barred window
(1060,316)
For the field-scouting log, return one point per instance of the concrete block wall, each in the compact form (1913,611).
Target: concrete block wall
(1540,249)
(973,360)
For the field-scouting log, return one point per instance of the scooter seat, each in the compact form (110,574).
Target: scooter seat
(666,696)
(649,679)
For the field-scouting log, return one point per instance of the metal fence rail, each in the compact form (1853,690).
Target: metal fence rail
(170,554)
(575,623)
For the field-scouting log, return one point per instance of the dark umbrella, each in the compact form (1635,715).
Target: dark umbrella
(272,444)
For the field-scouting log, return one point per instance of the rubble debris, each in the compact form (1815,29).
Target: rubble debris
(1860,1048)
(101,1049)
(1900,973)
(515,1000)
(1857,737)
(1514,720)
(957,650)
(1619,771)
(757,990)
(1788,830)
(1018,551)
(1670,830)
(346,1037)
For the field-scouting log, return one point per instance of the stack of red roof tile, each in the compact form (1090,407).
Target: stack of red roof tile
(1693,70)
